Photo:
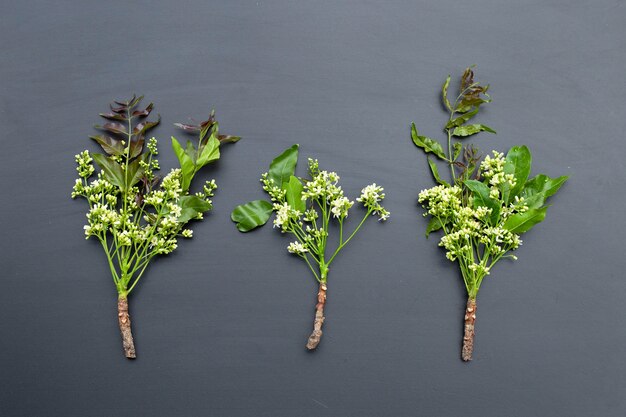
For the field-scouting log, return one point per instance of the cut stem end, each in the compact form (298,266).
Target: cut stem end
(316,336)
(125,329)
(468,336)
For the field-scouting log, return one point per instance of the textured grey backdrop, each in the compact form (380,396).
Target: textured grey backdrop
(221,324)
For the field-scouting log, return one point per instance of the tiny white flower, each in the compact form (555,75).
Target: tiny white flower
(297,248)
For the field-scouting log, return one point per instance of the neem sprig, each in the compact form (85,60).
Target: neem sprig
(305,208)
(488,204)
(132,212)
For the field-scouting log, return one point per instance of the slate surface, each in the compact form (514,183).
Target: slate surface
(221,324)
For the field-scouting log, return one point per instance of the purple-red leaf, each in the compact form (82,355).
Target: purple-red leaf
(110,145)
(187,128)
(208,122)
(228,138)
(119,110)
(143,127)
(125,103)
(134,101)
(113,116)
(136,146)
(113,127)
(143,113)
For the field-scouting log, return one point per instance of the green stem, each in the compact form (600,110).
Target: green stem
(450,161)
(369,212)
(145,265)
(311,267)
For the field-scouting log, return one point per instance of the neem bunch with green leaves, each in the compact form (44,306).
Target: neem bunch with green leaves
(305,208)
(135,214)
(488,204)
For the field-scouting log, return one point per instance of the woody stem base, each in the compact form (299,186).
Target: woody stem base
(316,336)
(468,337)
(124,322)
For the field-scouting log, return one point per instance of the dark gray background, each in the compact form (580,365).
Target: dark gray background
(221,324)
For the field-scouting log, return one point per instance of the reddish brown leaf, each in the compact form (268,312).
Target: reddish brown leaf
(113,116)
(187,128)
(113,127)
(110,145)
(228,138)
(143,127)
(208,122)
(143,113)
(134,101)
(125,103)
(119,110)
(136,146)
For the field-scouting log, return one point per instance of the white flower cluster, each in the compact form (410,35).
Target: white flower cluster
(371,196)
(441,201)
(492,169)
(151,164)
(85,167)
(340,207)
(277,194)
(310,215)
(171,184)
(297,248)
(99,190)
(120,214)
(322,186)
(285,215)
(152,146)
(471,231)
(326,199)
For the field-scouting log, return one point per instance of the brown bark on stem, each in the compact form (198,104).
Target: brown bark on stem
(124,322)
(468,337)
(316,336)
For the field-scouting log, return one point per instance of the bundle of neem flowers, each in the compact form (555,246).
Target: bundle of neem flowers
(132,212)
(487,204)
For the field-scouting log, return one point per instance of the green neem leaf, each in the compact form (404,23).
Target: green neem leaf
(518,163)
(113,172)
(467,105)
(204,130)
(210,152)
(435,171)
(462,119)
(482,198)
(523,222)
(251,215)
(284,166)
(187,166)
(428,144)
(444,94)
(538,189)
(190,206)
(135,171)
(462,131)
(457,150)
(294,194)
(190,150)
(433,225)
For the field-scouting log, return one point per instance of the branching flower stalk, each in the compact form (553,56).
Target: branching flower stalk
(305,209)
(488,204)
(133,213)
